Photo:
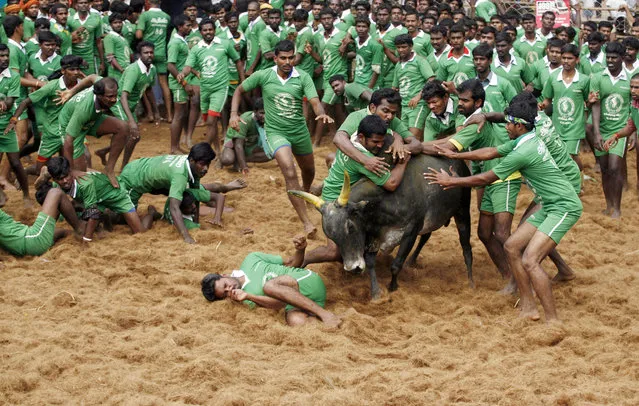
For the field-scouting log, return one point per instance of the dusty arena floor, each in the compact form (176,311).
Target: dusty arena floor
(124,320)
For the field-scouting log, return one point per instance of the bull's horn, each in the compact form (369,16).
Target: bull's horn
(346,190)
(314,200)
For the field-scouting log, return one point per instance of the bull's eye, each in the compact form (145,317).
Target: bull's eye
(350,227)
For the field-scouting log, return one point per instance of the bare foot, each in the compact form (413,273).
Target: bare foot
(510,288)
(178,151)
(310,230)
(112,178)
(43,178)
(332,321)
(615,214)
(531,314)
(236,184)
(153,212)
(564,277)
(27,202)
(102,155)
(6,184)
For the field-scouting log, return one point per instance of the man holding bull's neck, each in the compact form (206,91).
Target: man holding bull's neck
(371,134)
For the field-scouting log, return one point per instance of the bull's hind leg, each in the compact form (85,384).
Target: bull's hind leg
(462,221)
(369,259)
(404,249)
(423,239)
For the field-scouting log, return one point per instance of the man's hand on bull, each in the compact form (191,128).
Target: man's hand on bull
(479,119)
(398,149)
(377,165)
(445,152)
(441,177)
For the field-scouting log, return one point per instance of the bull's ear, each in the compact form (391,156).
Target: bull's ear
(358,206)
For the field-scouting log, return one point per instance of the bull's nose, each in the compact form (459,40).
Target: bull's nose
(358,266)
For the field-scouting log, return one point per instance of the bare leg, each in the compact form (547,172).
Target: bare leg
(166,95)
(194,116)
(211,133)
(494,247)
(328,253)
(295,318)
(615,169)
(319,128)
(284,158)
(227,157)
(307,167)
(514,248)
(57,203)
(178,123)
(133,220)
(538,248)
(120,131)
(286,289)
(149,218)
(16,166)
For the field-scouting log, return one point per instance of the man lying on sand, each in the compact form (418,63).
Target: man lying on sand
(266,280)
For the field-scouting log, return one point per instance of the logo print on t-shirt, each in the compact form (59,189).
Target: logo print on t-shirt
(566,108)
(404,87)
(459,78)
(210,66)
(532,57)
(614,103)
(285,104)
(360,64)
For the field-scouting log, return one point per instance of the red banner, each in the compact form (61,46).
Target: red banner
(561,9)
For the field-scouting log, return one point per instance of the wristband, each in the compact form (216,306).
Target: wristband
(13,120)
(183,82)
(87,239)
(615,136)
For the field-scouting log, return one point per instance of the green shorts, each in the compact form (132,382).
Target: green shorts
(160,65)
(118,201)
(118,111)
(180,96)
(619,149)
(50,144)
(501,197)
(414,117)
(212,100)
(9,142)
(39,237)
(311,286)
(555,225)
(330,97)
(300,144)
(232,87)
(92,130)
(193,80)
(573,146)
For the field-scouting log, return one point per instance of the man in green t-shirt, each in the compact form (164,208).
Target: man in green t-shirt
(530,47)
(269,37)
(539,235)
(385,36)
(283,89)
(247,144)
(269,281)
(211,59)
(153,26)
(19,239)
(509,66)
(60,15)
(178,52)
(609,115)
(444,117)
(46,61)
(457,65)
(355,96)
(116,48)
(87,28)
(369,55)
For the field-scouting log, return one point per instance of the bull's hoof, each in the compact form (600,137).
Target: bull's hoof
(411,263)
(393,286)
(471,284)
(380,296)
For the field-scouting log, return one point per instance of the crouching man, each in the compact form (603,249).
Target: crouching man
(268,281)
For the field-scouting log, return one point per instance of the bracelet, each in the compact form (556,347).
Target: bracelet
(615,136)
(87,239)
(13,120)
(183,82)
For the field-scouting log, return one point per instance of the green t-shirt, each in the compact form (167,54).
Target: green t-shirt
(568,104)
(333,62)
(118,46)
(440,127)
(32,47)
(356,171)
(352,93)
(541,71)
(530,51)
(421,44)
(283,99)
(165,174)
(18,62)
(9,87)
(201,195)
(42,69)
(46,108)
(252,33)
(456,70)
(434,60)
(212,61)
(29,29)
(178,52)
(65,37)
(485,9)
(499,93)
(529,155)
(388,67)
(78,115)
(249,131)
(135,79)
(517,72)
(239,44)
(368,59)
(259,268)
(351,124)
(614,94)
(193,38)
(93,190)
(590,66)
(92,31)
(12,234)
(410,77)
(154,24)
(128,32)
(267,41)
(307,64)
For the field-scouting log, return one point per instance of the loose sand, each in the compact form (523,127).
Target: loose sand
(124,321)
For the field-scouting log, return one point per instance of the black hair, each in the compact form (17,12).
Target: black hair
(615,48)
(571,49)
(572,33)
(179,20)
(115,17)
(390,95)
(71,61)
(555,43)
(497,17)
(528,17)
(336,77)
(503,37)
(484,50)
(201,152)
(512,15)
(42,192)
(11,24)
(591,24)
(284,46)
(476,89)
(101,85)
(188,4)
(439,29)
(448,23)
(3,47)
(459,28)
(606,24)
(371,125)
(136,6)
(47,36)
(119,7)
(327,10)
(204,22)
(145,44)
(432,89)
(482,19)
(231,14)
(58,167)
(384,6)
(630,42)
(290,3)
(42,23)
(274,11)
(363,20)
(596,37)
(53,10)
(526,98)
(458,11)
(548,13)
(404,39)
(363,3)
(258,104)
(188,200)
(523,110)
(208,286)
(441,7)
(300,15)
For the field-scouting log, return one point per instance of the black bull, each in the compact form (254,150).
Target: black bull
(367,218)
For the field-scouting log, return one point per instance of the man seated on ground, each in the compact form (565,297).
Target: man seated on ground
(19,239)
(190,208)
(356,96)
(171,175)
(268,281)
(371,136)
(247,144)
(94,191)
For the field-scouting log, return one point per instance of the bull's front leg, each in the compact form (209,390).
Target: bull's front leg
(370,257)
(406,245)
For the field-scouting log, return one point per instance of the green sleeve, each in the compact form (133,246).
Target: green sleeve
(350,125)
(178,185)
(265,44)
(254,257)
(508,90)
(14,87)
(430,133)
(400,128)
(459,120)
(254,80)
(231,51)
(396,78)
(309,87)
(442,72)
(109,45)
(378,56)
(191,60)
(595,83)
(548,91)
(141,22)
(355,90)
(526,73)
(426,70)
(506,148)
(44,92)
(201,194)
(89,194)
(376,179)
(14,61)
(173,51)
(465,138)
(74,128)
(509,164)
(586,89)
(128,80)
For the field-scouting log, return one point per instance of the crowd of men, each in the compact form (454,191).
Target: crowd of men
(462,81)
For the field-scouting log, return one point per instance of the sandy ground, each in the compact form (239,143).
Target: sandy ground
(124,321)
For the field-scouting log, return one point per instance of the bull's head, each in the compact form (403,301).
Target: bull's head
(343,223)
